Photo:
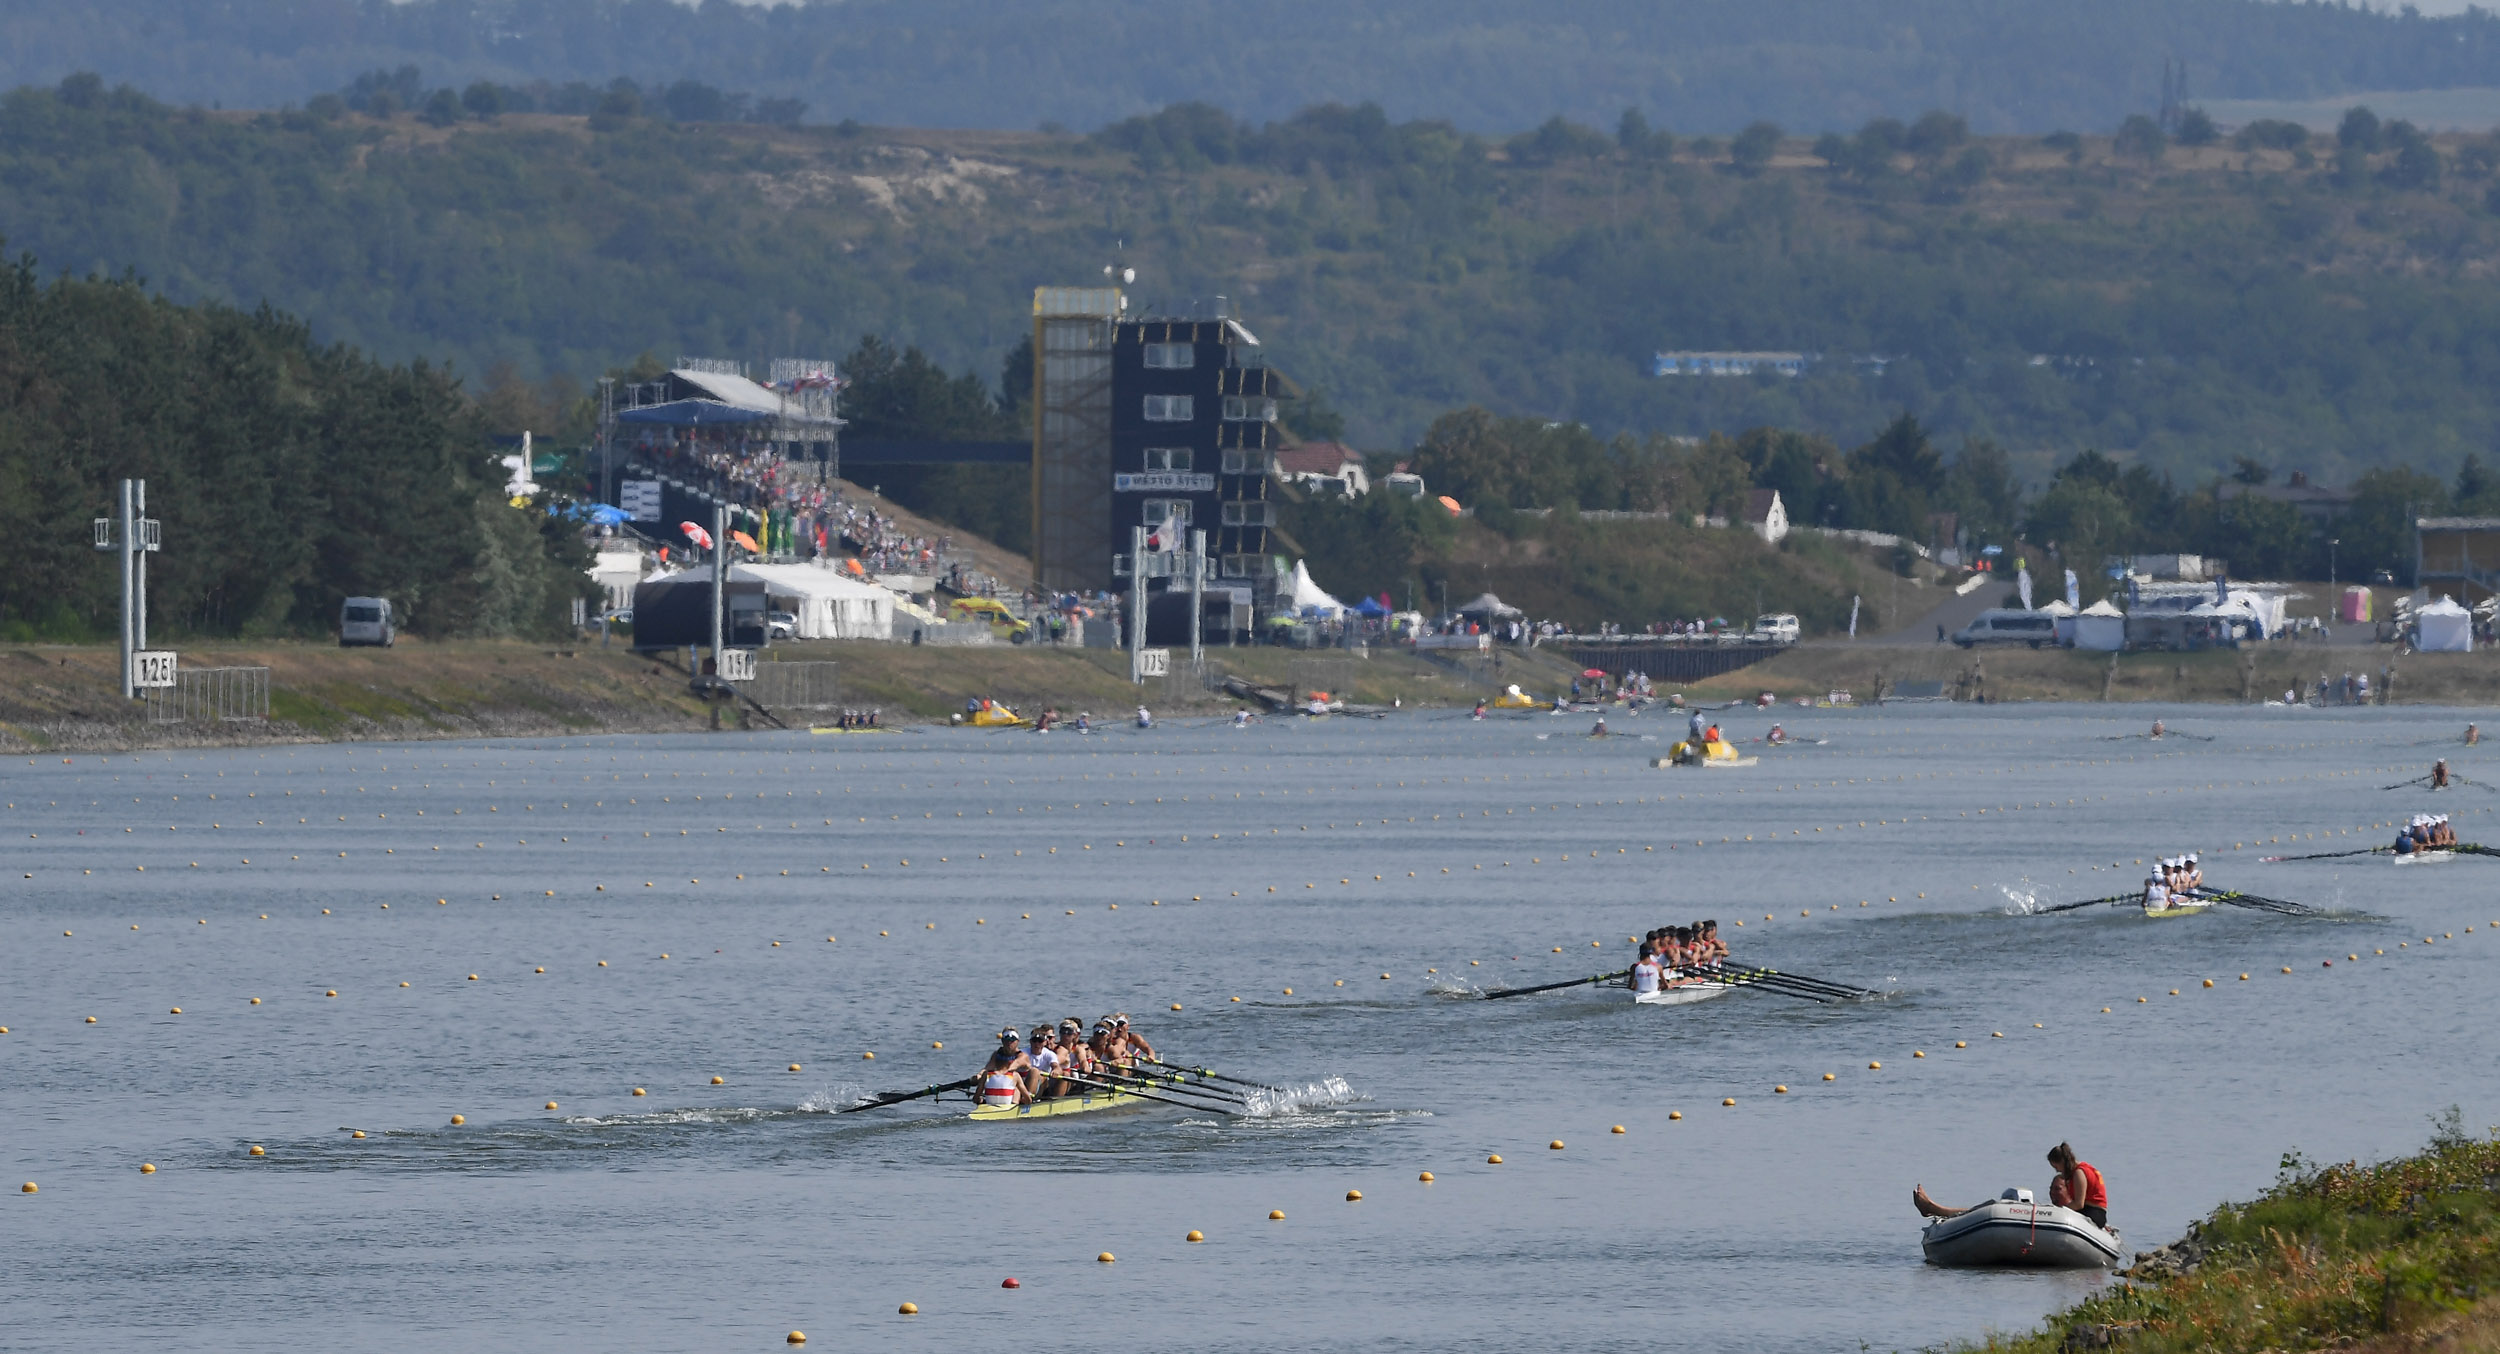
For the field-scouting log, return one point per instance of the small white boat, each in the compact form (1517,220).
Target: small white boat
(2425,857)
(1684,994)
(2012,1232)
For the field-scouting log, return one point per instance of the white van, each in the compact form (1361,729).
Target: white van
(2008,625)
(366,620)
(1778,628)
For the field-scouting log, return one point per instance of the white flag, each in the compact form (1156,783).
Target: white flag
(2074,591)
(1853,617)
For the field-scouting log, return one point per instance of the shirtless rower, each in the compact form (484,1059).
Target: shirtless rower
(2439,774)
(1137,1043)
(1003,1076)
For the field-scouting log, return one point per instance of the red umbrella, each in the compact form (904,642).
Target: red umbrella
(696,534)
(1594,672)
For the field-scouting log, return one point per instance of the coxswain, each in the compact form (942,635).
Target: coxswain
(2077,1185)
(1138,1046)
(1003,1076)
(1646,974)
(2439,774)
(2404,840)
(1084,721)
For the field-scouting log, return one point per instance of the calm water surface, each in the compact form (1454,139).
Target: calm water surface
(1414,861)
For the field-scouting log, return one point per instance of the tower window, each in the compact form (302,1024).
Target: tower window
(1171,356)
(1170,409)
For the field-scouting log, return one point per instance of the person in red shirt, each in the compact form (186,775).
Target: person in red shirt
(2077,1185)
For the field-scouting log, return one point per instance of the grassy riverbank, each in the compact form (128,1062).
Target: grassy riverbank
(65,697)
(2402,1255)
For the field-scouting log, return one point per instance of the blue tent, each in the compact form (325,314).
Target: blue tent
(1370,606)
(601,514)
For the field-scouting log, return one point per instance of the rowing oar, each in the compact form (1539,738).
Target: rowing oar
(2259,903)
(1747,979)
(1823,986)
(1549,987)
(1175,1083)
(2088,902)
(2330,855)
(1212,1074)
(2403,783)
(1131,1090)
(884,1098)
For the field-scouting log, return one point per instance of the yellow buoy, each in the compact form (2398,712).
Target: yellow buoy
(717,1081)
(1828,1076)
(27,1188)
(1874,1067)
(794,1067)
(1555,1146)
(1493,1160)
(796,1337)
(147,1168)
(1195,1235)
(1729,1102)
(459,1119)
(1276,1215)
(908,1309)
(551,1104)
(1354,1196)
(357,1133)
(864,1057)
(1960,1044)
(1918,1053)
(1426,1177)
(1105,1258)
(638,1091)
(1675,1114)
(2209,982)
(1618,1128)
(258,1150)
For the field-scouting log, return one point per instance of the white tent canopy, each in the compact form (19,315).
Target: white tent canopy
(828,605)
(1489,606)
(1307,595)
(2444,627)
(2101,627)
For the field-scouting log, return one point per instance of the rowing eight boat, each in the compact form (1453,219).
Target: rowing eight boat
(1085,1103)
(1683,994)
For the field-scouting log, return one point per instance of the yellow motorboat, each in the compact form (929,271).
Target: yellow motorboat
(993,715)
(1720,755)
(1516,699)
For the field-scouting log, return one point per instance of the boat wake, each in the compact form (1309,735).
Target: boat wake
(1266,1102)
(1453,987)
(2024,904)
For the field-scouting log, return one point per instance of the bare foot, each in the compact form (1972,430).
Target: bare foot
(1929,1208)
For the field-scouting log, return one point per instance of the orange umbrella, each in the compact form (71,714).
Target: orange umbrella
(748,541)
(1451,504)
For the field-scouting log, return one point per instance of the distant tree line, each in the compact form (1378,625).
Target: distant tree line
(288,475)
(386,93)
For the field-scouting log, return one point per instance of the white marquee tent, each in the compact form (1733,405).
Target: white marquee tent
(827,604)
(2444,627)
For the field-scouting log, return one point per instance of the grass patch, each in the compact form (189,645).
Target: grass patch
(2392,1256)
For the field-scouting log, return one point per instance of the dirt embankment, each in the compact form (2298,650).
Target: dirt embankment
(66,697)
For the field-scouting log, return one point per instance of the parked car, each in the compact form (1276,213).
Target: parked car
(781,625)
(1778,627)
(2008,625)
(366,620)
